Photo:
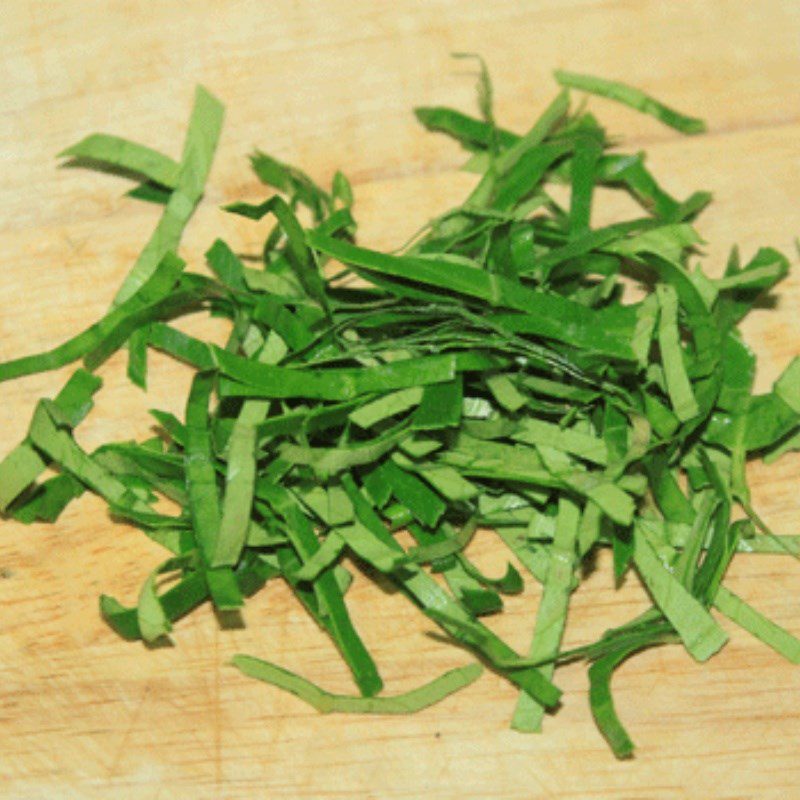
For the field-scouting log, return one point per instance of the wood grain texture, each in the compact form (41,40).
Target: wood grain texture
(327,84)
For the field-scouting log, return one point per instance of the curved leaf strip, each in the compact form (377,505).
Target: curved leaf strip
(122,154)
(700,634)
(23,465)
(202,135)
(99,340)
(631,97)
(324,702)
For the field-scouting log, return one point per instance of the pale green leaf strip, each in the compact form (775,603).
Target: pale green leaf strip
(773,545)
(632,97)
(748,278)
(325,702)
(679,387)
(238,499)
(667,241)
(424,554)
(551,616)
(202,135)
(150,615)
(23,465)
(364,544)
(589,529)
(327,461)
(646,317)
(447,481)
(331,505)
(743,614)
(506,393)
(126,155)
(584,445)
(387,406)
(329,552)
(787,387)
(701,635)
(17,471)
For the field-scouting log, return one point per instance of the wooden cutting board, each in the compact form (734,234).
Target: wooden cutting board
(326,85)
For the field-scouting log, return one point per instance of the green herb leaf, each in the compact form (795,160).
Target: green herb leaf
(198,152)
(700,634)
(407,703)
(122,154)
(629,96)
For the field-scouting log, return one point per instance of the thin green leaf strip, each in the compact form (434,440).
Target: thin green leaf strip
(407,703)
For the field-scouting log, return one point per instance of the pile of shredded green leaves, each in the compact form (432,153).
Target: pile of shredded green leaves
(492,375)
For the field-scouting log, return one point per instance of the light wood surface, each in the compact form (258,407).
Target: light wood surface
(326,85)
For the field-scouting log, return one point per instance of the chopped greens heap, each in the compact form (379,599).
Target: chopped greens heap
(491,378)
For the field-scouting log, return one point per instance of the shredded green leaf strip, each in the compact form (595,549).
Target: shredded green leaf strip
(632,97)
(700,634)
(205,126)
(551,616)
(150,616)
(23,464)
(679,387)
(602,704)
(779,639)
(239,486)
(98,341)
(324,702)
(122,154)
